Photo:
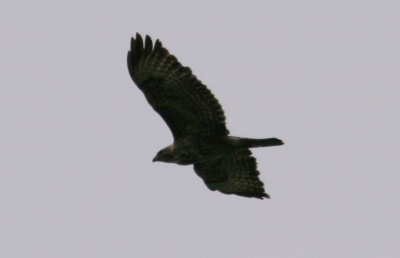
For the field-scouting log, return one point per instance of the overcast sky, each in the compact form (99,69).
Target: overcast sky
(78,137)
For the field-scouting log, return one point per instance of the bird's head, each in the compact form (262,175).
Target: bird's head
(165,155)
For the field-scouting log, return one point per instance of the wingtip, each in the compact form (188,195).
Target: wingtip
(157,45)
(262,196)
(132,44)
(130,64)
(256,195)
(147,37)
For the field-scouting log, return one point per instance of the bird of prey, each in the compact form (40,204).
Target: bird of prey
(197,122)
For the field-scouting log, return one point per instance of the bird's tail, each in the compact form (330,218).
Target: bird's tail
(255,143)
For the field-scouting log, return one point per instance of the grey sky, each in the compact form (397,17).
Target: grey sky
(78,137)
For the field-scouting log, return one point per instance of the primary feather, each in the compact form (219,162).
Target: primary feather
(185,104)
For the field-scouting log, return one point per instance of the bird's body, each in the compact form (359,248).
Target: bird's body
(197,122)
(191,150)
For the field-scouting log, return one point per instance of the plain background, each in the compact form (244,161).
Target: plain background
(77,136)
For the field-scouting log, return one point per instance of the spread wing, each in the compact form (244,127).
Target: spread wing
(233,174)
(185,104)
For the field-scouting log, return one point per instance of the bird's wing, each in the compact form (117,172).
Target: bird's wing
(185,104)
(233,174)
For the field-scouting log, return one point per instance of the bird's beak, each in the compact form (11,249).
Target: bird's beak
(155,159)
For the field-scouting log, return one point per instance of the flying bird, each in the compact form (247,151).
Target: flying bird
(197,122)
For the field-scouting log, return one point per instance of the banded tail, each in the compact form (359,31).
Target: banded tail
(255,143)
